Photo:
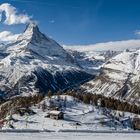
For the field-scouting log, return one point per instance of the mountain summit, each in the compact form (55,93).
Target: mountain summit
(30,32)
(36,63)
(35,42)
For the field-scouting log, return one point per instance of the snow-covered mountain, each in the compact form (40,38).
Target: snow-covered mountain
(92,61)
(119,78)
(36,63)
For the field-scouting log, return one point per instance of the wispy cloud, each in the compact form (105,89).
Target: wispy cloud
(12,16)
(7,36)
(137,33)
(112,45)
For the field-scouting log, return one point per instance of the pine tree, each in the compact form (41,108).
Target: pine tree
(43,106)
(65,101)
(50,94)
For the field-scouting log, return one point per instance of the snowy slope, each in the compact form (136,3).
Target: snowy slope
(88,117)
(120,78)
(36,63)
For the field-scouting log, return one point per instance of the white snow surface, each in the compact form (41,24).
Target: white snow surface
(69,136)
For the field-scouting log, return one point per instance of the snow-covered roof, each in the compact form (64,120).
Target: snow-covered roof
(55,112)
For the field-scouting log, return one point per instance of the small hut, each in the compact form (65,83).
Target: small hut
(136,123)
(57,115)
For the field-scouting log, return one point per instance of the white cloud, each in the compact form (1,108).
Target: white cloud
(137,32)
(12,16)
(7,36)
(112,45)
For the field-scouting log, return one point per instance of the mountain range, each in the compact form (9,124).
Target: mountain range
(119,78)
(35,63)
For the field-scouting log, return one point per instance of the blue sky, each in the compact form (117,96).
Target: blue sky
(81,22)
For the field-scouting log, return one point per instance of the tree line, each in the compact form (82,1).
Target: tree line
(108,102)
(16,103)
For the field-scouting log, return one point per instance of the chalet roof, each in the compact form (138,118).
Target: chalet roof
(55,112)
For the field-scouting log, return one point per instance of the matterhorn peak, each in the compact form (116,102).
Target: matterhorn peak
(32,34)
(31,28)
(37,42)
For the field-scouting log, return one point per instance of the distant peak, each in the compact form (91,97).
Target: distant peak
(32,33)
(32,27)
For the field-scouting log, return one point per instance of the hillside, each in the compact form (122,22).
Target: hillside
(77,116)
(119,78)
